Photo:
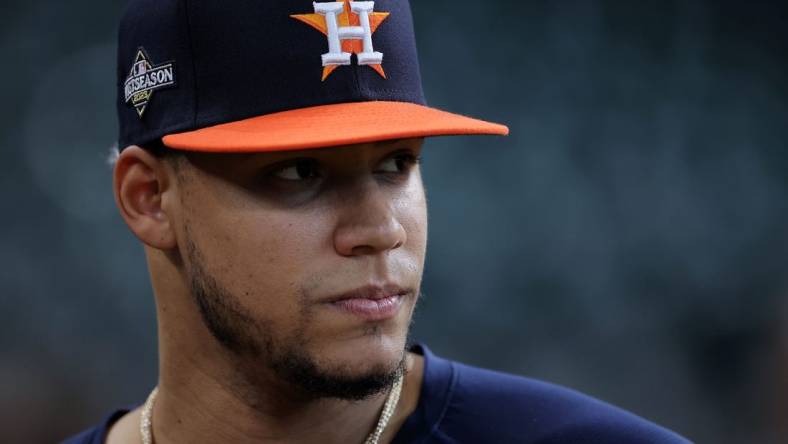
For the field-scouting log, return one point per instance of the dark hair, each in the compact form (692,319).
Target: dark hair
(158,149)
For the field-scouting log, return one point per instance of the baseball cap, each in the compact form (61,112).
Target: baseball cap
(254,75)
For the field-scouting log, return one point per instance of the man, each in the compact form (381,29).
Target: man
(269,165)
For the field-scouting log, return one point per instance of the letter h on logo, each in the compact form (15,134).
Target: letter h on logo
(336,33)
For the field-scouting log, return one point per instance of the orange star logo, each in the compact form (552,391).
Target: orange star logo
(345,19)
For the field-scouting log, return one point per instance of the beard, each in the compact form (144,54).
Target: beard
(254,340)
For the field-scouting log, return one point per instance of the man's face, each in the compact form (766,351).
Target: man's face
(270,241)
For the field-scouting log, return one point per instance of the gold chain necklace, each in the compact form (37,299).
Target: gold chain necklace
(146,426)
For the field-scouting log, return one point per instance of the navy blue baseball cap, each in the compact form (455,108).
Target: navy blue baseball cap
(257,75)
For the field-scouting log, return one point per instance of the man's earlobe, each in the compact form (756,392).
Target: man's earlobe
(141,185)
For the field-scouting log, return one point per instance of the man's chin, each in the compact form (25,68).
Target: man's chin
(348,381)
(363,353)
(352,370)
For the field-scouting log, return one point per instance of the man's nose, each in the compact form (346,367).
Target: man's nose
(368,224)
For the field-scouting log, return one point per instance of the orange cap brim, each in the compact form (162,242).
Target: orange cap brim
(330,125)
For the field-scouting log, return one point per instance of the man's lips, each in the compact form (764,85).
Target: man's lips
(373,302)
(373,292)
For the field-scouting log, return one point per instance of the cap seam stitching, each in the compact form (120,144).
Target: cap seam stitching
(194,63)
(359,93)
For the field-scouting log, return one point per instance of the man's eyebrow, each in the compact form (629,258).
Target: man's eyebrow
(246,156)
(389,142)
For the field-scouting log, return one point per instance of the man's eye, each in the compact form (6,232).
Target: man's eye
(398,164)
(299,170)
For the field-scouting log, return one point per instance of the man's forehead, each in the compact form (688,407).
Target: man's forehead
(224,164)
(328,151)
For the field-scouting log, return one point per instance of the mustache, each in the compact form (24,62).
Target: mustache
(363,280)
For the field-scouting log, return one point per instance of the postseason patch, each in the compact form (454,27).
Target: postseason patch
(145,78)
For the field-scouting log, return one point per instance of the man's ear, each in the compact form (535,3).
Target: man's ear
(143,187)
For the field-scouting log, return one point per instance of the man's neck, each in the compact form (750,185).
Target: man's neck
(211,411)
(201,408)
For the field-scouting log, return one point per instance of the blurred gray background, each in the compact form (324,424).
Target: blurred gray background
(628,239)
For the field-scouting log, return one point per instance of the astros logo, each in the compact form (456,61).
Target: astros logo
(349,26)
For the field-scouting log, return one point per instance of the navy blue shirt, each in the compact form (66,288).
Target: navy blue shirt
(464,404)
